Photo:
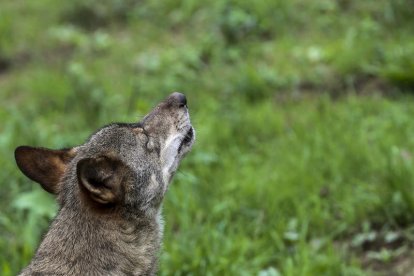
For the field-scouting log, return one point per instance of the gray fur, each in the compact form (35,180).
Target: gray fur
(110,190)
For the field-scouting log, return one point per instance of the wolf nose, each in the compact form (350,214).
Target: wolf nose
(178,99)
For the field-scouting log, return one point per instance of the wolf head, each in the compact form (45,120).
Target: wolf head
(122,166)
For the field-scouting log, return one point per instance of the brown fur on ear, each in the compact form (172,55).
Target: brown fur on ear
(102,178)
(42,165)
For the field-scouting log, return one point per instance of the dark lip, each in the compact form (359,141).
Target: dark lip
(187,139)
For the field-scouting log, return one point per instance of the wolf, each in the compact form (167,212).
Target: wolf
(110,190)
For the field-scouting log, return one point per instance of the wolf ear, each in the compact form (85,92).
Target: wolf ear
(44,166)
(101,178)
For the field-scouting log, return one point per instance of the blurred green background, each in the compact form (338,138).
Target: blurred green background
(303,110)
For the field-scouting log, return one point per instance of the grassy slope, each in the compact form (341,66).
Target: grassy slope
(282,172)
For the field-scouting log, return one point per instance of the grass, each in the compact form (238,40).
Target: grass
(303,112)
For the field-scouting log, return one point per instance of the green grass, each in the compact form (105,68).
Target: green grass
(303,112)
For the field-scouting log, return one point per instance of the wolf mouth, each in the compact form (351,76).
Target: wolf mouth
(188,138)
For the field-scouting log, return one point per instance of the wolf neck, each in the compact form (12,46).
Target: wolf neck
(81,242)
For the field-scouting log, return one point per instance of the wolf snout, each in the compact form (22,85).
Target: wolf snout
(177,99)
